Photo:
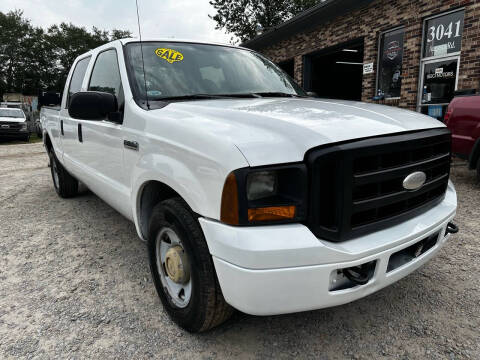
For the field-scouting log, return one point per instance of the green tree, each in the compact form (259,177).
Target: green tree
(244,18)
(116,34)
(15,33)
(33,59)
(69,41)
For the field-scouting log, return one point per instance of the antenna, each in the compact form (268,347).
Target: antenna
(143,62)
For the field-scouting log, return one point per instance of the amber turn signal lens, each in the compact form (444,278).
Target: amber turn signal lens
(271,213)
(229,207)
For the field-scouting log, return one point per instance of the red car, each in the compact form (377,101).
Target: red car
(463,120)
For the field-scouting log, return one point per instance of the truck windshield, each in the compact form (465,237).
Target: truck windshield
(176,71)
(12,113)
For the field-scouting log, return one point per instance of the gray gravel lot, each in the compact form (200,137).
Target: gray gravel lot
(75,283)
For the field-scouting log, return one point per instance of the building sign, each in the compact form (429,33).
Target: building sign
(367,68)
(390,64)
(439,80)
(443,34)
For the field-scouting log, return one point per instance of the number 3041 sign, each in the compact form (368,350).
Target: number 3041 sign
(443,34)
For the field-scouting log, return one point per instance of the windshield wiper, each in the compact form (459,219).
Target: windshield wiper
(188,97)
(277,94)
(223,96)
(261,94)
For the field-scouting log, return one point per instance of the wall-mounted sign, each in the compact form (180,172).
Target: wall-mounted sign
(367,68)
(443,34)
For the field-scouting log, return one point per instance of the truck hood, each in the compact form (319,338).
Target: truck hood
(12,120)
(279,130)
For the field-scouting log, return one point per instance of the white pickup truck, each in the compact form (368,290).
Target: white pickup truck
(250,194)
(13,124)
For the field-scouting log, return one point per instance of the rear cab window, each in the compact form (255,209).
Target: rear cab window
(77,78)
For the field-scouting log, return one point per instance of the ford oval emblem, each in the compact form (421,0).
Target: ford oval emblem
(414,181)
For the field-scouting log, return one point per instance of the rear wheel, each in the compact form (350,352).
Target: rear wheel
(183,270)
(65,184)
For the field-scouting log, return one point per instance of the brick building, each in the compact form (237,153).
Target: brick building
(410,53)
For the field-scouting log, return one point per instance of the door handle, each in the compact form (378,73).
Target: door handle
(61,128)
(80,135)
(132,145)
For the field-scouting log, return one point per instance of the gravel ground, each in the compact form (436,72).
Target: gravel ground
(75,283)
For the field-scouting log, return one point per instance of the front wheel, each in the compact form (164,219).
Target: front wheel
(183,270)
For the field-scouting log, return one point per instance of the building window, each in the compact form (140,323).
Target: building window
(442,43)
(439,80)
(390,63)
(443,35)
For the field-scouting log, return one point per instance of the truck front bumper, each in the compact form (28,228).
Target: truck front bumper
(283,269)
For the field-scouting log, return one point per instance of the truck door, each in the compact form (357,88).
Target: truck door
(69,126)
(100,148)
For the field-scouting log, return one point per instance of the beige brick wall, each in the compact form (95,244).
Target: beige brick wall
(383,15)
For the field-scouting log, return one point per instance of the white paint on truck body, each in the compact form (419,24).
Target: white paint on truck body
(192,146)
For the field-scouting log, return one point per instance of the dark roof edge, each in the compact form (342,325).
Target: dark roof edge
(316,15)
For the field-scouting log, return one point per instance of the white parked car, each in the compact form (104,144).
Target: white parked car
(250,194)
(13,124)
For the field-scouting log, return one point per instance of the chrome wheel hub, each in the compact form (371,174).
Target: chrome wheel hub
(173,267)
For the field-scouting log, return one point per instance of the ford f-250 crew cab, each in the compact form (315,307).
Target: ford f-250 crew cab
(250,194)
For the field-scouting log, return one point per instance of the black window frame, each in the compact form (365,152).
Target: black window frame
(380,48)
(95,63)
(120,99)
(89,57)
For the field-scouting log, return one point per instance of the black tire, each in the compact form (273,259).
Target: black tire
(67,185)
(478,169)
(207,307)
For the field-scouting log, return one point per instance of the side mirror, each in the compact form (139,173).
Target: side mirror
(92,105)
(312,94)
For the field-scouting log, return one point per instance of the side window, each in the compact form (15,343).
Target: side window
(77,78)
(106,75)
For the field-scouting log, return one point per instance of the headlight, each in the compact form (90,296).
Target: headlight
(265,195)
(261,184)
